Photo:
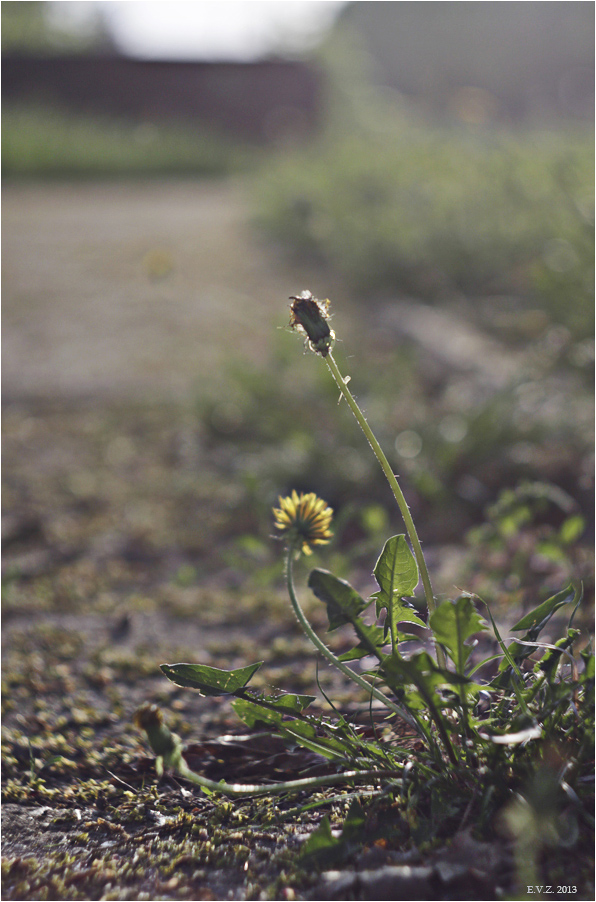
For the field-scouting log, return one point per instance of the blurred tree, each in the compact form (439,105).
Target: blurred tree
(479,61)
(41,27)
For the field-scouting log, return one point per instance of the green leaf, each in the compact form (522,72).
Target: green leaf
(454,622)
(372,644)
(587,656)
(421,669)
(254,716)
(549,663)
(396,572)
(537,619)
(344,604)
(269,710)
(422,672)
(291,703)
(320,843)
(509,673)
(305,735)
(209,680)
(331,740)
(572,529)
(324,849)
(354,823)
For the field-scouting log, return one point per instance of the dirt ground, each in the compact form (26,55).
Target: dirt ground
(121,304)
(126,290)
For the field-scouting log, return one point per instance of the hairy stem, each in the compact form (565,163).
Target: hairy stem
(395,488)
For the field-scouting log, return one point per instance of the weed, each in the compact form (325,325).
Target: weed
(487,728)
(435,212)
(51,142)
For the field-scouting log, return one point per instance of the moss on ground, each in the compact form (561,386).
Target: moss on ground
(126,547)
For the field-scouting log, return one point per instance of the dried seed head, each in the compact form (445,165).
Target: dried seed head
(309,316)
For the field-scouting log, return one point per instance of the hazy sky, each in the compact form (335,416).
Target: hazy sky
(198,29)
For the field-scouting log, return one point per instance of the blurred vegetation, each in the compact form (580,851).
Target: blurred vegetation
(492,227)
(455,446)
(36,26)
(434,212)
(42,140)
(510,62)
(48,142)
(399,201)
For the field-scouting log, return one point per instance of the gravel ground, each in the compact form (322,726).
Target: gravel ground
(131,289)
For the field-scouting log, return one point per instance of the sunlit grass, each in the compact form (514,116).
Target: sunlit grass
(48,142)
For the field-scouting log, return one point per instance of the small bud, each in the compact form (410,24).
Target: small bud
(309,316)
(163,742)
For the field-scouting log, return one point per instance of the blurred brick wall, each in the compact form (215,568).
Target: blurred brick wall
(259,101)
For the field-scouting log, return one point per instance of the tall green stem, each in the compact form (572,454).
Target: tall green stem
(399,496)
(347,671)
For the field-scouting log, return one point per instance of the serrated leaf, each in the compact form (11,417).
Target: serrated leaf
(396,572)
(209,681)
(254,716)
(452,623)
(270,709)
(373,644)
(422,672)
(292,703)
(422,669)
(344,604)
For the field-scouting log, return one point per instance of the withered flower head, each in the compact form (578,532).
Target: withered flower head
(148,717)
(309,316)
(305,519)
(162,741)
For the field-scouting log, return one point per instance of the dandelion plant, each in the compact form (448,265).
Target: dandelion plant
(480,723)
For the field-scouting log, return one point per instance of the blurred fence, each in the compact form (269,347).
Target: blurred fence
(262,101)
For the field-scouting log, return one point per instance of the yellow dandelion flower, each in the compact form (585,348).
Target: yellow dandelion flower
(305,519)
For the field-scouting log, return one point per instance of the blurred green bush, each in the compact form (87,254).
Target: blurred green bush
(433,212)
(45,142)
(456,445)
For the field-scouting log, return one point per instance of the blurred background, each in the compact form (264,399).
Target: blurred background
(173,172)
